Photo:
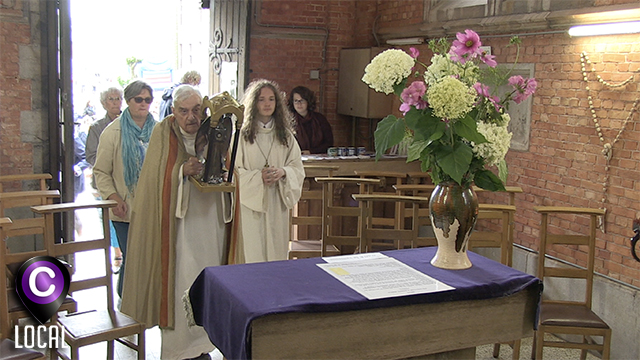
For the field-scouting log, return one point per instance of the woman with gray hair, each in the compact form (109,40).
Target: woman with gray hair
(176,231)
(111,100)
(121,152)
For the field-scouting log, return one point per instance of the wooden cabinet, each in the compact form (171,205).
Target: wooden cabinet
(355,98)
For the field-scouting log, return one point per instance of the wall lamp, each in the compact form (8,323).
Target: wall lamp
(630,27)
(406,41)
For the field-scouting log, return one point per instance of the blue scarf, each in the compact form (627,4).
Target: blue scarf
(134,146)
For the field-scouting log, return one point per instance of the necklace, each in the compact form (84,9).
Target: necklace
(266,158)
(607,148)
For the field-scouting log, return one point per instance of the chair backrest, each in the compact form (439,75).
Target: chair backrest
(385,213)
(426,189)
(9,264)
(497,234)
(333,212)
(24,182)
(57,249)
(16,204)
(555,222)
(418,177)
(306,217)
(375,237)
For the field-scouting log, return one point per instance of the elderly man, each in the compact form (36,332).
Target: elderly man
(176,231)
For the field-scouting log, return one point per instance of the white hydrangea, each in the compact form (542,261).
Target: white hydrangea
(499,139)
(450,98)
(387,69)
(506,119)
(442,66)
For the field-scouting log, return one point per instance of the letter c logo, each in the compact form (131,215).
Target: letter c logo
(32,282)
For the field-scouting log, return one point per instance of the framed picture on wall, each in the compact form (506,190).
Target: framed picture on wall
(520,124)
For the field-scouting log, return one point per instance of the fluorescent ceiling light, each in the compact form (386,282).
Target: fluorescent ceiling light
(630,27)
(406,41)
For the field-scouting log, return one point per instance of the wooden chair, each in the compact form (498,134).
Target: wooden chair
(11,306)
(24,182)
(499,237)
(493,230)
(18,193)
(571,315)
(26,224)
(419,177)
(426,189)
(94,326)
(385,215)
(304,216)
(8,351)
(377,238)
(333,233)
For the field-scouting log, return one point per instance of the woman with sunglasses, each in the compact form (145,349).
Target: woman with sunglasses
(121,151)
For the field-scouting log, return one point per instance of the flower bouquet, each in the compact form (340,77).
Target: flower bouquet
(455,124)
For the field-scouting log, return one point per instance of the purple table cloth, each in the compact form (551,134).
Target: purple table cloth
(225,299)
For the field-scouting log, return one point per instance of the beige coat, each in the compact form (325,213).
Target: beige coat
(149,279)
(108,170)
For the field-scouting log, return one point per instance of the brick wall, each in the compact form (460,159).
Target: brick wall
(16,156)
(288,54)
(563,166)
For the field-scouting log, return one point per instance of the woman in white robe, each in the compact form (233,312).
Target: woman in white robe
(270,170)
(176,231)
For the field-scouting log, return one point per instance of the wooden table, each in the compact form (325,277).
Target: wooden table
(348,165)
(293,309)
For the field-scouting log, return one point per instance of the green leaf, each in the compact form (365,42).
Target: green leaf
(413,117)
(455,160)
(415,149)
(426,126)
(389,132)
(487,180)
(503,172)
(468,129)
(397,88)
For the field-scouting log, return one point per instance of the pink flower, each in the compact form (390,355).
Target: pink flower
(523,88)
(488,59)
(483,90)
(466,46)
(412,96)
(414,52)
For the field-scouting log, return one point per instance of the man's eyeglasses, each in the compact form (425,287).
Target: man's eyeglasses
(140,99)
(114,98)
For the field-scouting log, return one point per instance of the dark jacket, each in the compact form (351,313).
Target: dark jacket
(167,102)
